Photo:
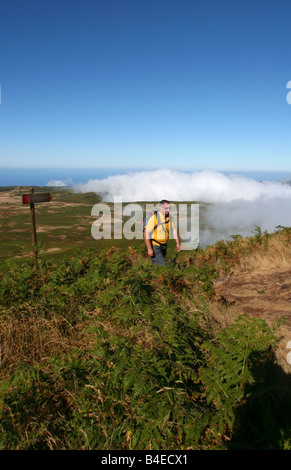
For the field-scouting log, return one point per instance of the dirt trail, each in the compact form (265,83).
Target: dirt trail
(264,294)
(267,295)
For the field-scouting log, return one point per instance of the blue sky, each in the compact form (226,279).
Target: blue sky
(186,84)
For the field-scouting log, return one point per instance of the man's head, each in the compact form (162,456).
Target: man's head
(165,206)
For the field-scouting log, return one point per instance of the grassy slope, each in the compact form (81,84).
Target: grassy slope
(63,225)
(102,350)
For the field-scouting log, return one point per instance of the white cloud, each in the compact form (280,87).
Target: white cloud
(243,216)
(207,186)
(59,183)
(237,204)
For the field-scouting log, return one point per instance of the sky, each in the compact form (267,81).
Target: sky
(178,84)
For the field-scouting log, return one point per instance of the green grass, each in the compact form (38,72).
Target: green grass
(62,221)
(103,350)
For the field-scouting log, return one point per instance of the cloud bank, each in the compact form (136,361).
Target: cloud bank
(207,186)
(59,183)
(232,204)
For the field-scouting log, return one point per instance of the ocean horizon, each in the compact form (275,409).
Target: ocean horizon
(62,177)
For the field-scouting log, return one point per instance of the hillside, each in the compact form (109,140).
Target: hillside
(62,224)
(259,284)
(102,350)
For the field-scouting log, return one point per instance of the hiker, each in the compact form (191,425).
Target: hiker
(156,233)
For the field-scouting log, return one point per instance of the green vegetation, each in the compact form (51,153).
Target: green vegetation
(62,224)
(106,351)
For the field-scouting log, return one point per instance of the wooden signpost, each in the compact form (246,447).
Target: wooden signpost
(32,199)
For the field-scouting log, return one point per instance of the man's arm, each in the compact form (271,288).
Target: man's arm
(147,235)
(148,243)
(176,236)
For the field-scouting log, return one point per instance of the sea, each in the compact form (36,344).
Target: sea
(54,176)
(62,177)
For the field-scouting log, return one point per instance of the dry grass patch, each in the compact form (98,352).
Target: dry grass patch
(275,255)
(28,336)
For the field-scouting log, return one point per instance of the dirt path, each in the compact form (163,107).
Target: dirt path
(267,295)
(262,294)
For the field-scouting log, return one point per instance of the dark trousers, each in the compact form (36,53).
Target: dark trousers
(159,254)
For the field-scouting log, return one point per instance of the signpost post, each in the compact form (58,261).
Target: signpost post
(32,199)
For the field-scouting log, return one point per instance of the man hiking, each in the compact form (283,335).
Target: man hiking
(156,233)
